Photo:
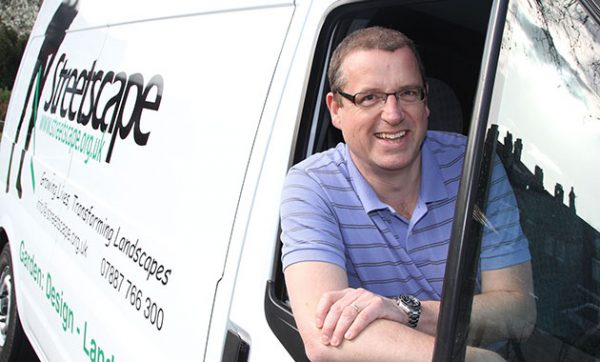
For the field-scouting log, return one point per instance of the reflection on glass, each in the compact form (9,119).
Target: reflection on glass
(547,93)
(545,122)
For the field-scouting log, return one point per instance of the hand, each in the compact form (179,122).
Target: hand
(343,314)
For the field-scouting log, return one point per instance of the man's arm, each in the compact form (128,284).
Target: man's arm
(381,340)
(315,285)
(505,309)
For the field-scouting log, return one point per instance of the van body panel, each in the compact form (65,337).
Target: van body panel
(139,10)
(250,254)
(93,14)
(131,174)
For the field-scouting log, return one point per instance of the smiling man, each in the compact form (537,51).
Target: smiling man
(366,225)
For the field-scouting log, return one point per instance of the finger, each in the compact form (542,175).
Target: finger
(324,305)
(332,301)
(373,307)
(366,316)
(348,317)
(366,309)
(335,311)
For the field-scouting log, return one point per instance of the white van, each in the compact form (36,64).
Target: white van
(146,144)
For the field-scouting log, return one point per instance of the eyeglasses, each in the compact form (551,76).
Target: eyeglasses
(374,99)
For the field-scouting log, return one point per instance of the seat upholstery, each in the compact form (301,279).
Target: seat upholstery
(444,107)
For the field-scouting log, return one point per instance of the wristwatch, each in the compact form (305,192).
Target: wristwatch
(412,307)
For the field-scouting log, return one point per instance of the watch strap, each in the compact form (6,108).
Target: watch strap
(411,305)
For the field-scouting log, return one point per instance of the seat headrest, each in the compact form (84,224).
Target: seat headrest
(444,107)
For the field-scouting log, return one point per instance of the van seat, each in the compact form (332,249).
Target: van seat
(445,110)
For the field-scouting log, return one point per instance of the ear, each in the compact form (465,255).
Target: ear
(334,107)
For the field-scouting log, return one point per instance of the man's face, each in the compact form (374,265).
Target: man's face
(384,138)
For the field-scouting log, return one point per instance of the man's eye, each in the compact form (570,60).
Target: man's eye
(409,93)
(369,97)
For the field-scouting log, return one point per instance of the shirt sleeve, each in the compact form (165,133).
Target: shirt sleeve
(503,243)
(309,228)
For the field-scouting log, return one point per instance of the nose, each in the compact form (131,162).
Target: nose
(392,112)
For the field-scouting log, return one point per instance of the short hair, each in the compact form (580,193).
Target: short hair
(366,39)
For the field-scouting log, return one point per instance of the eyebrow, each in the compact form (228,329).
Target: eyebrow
(397,89)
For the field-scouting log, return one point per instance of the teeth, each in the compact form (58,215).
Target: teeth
(391,136)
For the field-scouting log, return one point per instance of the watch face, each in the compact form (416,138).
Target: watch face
(410,301)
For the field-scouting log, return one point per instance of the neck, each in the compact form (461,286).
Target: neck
(399,189)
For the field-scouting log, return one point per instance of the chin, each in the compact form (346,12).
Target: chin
(393,166)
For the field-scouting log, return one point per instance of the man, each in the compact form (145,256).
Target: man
(370,220)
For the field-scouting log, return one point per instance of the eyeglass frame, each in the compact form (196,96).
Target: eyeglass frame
(352,97)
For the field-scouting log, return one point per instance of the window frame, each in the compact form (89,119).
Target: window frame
(463,253)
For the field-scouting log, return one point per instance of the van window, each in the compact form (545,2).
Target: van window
(450,42)
(544,127)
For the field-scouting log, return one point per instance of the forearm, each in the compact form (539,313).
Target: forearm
(505,309)
(385,340)
(429,317)
(382,340)
(501,315)
(322,306)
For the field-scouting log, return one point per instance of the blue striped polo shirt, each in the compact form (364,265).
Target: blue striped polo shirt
(329,213)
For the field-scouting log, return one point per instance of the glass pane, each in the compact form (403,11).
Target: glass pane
(545,129)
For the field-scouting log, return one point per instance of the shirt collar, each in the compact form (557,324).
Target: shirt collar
(432,185)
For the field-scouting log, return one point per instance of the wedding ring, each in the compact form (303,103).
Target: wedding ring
(356,308)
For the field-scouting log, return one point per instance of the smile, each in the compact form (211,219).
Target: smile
(390,136)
